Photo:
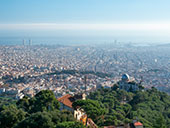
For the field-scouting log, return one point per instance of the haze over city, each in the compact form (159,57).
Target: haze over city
(89,20)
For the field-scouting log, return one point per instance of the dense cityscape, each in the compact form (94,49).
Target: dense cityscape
(84,64)
(27,69)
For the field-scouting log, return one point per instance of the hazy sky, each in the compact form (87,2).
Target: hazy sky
(126,20)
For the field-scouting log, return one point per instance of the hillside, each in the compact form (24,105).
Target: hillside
(107,107)
(41,111)
(151,107)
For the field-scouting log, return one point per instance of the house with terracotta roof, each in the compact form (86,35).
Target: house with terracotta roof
(137,125)
(67,100)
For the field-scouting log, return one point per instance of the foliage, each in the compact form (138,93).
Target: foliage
(41,111)
(70,124)
(24,103)
(10,116)
(43,101)
(105,106)
(6,101)
(37,120)
(61,116)
(160,122)
(92,108)
(46,119)
(123,107)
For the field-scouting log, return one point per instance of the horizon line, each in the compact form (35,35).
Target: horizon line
(92,26)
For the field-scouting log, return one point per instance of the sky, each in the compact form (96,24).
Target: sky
(124,20)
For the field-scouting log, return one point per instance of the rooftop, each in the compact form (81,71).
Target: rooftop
(138,124)
(67,100)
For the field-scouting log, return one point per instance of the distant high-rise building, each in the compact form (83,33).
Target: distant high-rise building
(30,42)
(23,42)
(115,42)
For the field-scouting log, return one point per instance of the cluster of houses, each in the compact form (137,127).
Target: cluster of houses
(67,100)
(12,92)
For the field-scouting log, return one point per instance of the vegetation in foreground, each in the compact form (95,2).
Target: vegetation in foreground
(41,111)
(104,106)
(151,107)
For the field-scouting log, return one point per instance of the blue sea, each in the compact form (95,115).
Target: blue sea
(53,40)
(68,41)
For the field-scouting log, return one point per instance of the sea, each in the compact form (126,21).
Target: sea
(53,41)
(70,41)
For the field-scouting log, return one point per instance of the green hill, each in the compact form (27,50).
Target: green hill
(105,106)
(151,107)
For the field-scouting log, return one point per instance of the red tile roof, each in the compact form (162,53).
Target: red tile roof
(66,100)
(138,124)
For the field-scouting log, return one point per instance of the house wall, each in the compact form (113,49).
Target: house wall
(78,114)
(62,107)
(139,127)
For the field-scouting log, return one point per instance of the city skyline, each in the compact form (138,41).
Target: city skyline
(136,21)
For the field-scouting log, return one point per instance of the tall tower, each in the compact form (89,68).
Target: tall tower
(23,42)
(30,42)
(115,42)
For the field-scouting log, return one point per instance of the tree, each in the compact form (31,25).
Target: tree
(61,116)
(115,87)
(92,108)
(10,116)
(24,103)
(110,120)
(4,101)
(126,121)
(44,101)
(70,125)
(37,120)
(160,122)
